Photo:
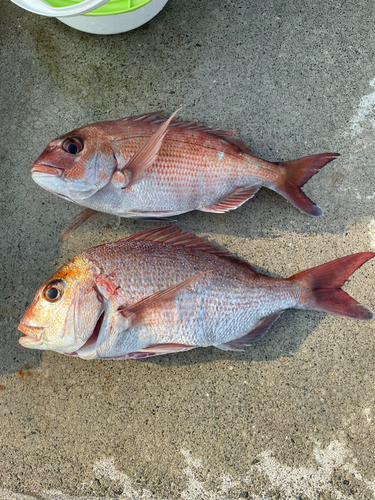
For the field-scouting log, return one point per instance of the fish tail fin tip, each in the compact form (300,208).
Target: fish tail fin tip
(298,172)
(322,287)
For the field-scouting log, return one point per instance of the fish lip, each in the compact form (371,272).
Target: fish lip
(45,168)
(32,332)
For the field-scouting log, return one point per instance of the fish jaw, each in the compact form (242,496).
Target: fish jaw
(49,181)
(33,336)
(55,181)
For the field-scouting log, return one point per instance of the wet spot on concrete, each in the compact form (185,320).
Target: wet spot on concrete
(116,72)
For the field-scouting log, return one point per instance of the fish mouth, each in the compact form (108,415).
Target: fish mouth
(32,332)
(33,336)
(46,169)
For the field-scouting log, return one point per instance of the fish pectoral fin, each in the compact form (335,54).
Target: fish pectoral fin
(77,221)
(134,313)
(255,334)
(233,200)
(146,156)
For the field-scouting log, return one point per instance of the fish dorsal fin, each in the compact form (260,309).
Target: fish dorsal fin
(145,117)
(176,122)
(232,201)
(171,235)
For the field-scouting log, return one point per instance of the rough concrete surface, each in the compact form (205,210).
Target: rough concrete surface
(293,416)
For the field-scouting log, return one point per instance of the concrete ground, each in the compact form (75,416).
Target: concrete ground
(293,417)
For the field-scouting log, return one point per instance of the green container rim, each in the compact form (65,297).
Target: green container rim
(111,8)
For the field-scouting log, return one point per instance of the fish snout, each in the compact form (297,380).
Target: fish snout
(54,160)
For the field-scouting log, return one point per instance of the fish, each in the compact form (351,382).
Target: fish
(149,167)
(163,291)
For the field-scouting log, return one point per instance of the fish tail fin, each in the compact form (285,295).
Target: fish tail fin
(297,173)
(320,287)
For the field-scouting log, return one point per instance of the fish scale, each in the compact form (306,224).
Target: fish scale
(225,296)
(179,177)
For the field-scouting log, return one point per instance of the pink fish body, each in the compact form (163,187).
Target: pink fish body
(163,291)
(148,167)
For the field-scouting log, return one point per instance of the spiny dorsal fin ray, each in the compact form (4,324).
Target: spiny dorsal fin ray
(176,122)
(171,235)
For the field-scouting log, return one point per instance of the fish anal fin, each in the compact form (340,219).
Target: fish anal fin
(255,334)
(78,220)
(142,160)
(134,313)
(233,200)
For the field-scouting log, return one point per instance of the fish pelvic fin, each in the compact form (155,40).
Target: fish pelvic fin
(77,221)
(154,350)
(320,287)
(297,173)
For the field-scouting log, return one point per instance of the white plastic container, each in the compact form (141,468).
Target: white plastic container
(114,17)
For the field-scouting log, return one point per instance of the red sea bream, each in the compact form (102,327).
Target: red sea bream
(146,167)
(163,291)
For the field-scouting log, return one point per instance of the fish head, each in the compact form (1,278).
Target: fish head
(66,310)
(76,165)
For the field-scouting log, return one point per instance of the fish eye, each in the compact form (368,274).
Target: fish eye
(73,145)
(53,292)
